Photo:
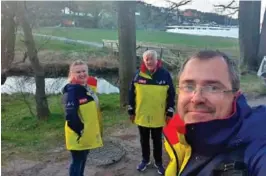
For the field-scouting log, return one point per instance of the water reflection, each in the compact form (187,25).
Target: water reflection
(17,84)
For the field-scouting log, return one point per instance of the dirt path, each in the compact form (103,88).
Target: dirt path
(57,161)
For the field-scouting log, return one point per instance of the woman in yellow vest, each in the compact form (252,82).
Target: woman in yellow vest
(83,126)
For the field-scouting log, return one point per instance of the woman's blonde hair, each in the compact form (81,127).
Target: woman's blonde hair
(77,62)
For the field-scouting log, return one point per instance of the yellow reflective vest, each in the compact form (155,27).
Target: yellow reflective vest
(81,109)
(178,149)
(151,98)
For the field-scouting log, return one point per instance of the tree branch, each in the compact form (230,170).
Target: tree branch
(232,13)
(228,6)
(175,6)
(47,40)
(178,4)
(24,96)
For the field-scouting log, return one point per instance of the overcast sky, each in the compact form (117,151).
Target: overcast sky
(202,5)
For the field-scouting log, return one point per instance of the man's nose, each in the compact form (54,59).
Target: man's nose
(197,97)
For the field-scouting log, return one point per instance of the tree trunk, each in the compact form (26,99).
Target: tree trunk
(96,18)
(95,21)
(127,47)
(249,26)
(40,97)
(8,40)
(262,47)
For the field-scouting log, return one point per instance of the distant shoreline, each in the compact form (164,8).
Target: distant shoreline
(230,32)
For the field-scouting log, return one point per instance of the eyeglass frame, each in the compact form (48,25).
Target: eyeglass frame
(202,90)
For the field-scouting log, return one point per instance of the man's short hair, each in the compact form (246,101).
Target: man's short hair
(211,54)
(151,53)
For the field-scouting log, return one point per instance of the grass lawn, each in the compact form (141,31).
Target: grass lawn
(22,133)
(251,84)
(96,35)
(56,45)
(187,44)
(182,41)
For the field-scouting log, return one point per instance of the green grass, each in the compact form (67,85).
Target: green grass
(24,133)
(187,44)
(252,85)
(96,35)
(56,45)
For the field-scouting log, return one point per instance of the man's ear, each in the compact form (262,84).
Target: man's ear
(238,93)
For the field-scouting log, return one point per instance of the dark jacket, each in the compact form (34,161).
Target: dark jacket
(72,93)
(82,127)
(151,96)
(238,142)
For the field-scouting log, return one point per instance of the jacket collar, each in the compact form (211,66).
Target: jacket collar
(216,135)
(213,136)
(144,69)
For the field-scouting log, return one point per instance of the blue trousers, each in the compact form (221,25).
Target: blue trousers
(78,162)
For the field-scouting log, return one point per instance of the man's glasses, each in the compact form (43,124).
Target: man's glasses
(208,90)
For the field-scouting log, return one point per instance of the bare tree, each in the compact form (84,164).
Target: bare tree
(127,47)
(172,9)
(8,39)
(96,10)
(249,33)
(232,8)
(40,97)
(249,30)
(174,6)
(262,50)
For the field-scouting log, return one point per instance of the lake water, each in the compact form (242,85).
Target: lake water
(232,33)
(17,84)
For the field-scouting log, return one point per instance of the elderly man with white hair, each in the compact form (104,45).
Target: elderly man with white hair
(151,105)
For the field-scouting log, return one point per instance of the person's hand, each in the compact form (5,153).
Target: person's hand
(132,118)
(168,118)
(79,135)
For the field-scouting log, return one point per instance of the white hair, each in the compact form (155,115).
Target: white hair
(151,53)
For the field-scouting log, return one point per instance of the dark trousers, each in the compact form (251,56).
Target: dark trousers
(156,135)
(78,162)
